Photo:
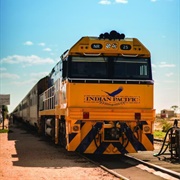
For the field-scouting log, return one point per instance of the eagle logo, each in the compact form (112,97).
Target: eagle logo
(114,93)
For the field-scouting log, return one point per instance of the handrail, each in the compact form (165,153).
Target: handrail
(111,80)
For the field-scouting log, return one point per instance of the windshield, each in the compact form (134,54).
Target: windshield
(89,67)
(131,68)
(110,68)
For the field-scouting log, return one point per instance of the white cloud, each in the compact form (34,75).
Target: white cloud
(121,1)
(169,81)
(3,69)
(169,74)
(105,2)
(153,0)
(52,54)
(28,43)
(26,82)
(9,76)
(32,80)
(39,75)
(47,49)
(163,36)
(41,44)
(165,65)
(27,60)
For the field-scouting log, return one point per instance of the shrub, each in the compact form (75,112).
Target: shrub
(159,134)
(166,126)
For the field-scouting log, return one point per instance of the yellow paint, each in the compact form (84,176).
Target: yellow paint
(93,95)
(85,43)
(97,99)
(147,144)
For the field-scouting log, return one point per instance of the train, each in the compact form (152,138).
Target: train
(98,99)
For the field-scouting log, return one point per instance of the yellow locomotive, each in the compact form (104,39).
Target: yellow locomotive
(100,97)
(101,100)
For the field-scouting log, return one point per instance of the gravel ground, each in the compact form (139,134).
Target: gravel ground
(24,156)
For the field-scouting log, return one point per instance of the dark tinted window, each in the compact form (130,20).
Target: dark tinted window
(110,68)
(89,67)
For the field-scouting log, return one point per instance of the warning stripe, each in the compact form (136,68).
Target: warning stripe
(85,141)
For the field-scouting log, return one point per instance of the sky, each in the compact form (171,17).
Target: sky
(34,34)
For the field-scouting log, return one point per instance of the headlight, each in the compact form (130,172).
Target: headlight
(115,133)
(114,45)
(108,45)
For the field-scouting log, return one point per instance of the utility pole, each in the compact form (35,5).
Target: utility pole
(3,115)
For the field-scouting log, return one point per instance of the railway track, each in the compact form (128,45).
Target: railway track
(141,164)
(128,167)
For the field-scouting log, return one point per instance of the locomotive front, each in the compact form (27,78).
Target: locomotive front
(106,96)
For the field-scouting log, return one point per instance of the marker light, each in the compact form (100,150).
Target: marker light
(85,115)
(146,129)
(75,128)
(137,116)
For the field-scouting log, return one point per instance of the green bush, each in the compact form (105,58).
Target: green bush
(166,126)
(159,134)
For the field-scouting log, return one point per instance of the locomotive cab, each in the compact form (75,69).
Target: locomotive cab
(101,97)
